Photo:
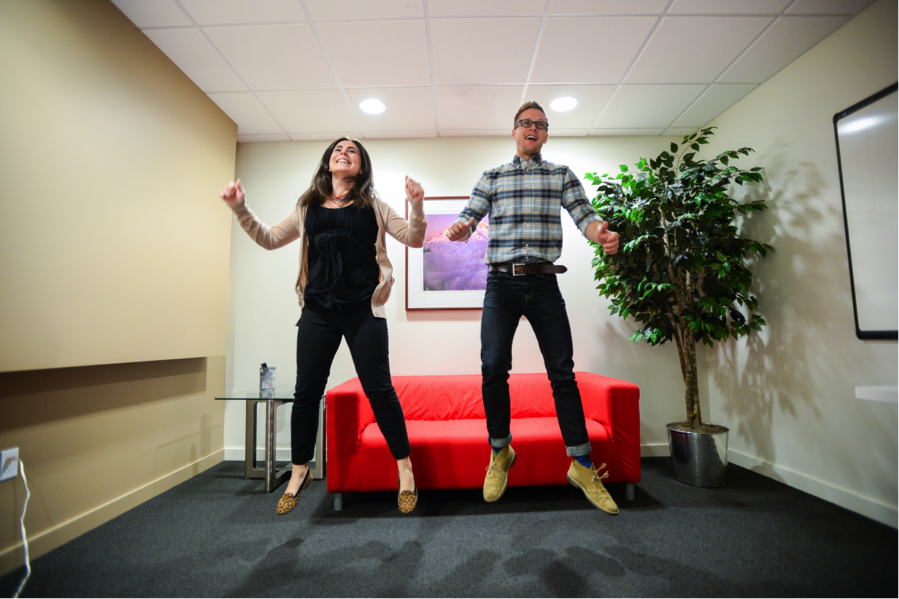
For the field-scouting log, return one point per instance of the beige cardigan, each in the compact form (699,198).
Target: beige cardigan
(411,233)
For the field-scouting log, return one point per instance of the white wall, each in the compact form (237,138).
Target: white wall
(789,394)
(263,307)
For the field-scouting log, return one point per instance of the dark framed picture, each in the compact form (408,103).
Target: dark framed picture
(444,274)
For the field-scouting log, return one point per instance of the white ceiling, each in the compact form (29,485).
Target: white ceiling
(297,69)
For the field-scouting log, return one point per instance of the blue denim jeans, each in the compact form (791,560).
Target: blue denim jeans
(318,337)
(537,298)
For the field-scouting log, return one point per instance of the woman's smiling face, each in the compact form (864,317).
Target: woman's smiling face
(346,161)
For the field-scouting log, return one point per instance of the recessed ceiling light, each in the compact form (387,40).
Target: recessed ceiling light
(372,106)
(563,104)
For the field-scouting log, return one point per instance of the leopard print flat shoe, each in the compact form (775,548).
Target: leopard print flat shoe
(289,501)
(407,500)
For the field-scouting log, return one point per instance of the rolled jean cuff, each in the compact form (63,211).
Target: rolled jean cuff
(579,450)
(498,444)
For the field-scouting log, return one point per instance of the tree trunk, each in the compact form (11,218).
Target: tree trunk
(691,381)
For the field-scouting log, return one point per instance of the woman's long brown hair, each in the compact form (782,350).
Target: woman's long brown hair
(363,193)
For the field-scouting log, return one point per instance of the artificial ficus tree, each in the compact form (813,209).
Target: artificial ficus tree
(683,270)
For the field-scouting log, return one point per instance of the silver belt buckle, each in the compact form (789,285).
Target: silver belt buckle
(515,272)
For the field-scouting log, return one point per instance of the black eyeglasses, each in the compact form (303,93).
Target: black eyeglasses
(527,123)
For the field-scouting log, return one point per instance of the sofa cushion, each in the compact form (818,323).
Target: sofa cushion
(454,454)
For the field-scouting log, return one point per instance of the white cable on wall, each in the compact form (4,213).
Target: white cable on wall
(22,526)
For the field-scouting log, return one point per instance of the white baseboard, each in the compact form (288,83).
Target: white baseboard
(851,500)
(46,540)
(656,450)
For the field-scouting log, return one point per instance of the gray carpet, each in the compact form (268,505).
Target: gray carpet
(217,535)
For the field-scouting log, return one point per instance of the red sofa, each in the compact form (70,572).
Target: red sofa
(448,433)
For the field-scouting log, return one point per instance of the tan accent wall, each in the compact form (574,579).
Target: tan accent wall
(114,245)
(114,276)
(96,441)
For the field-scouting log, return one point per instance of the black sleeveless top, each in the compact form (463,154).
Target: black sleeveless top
(343,263)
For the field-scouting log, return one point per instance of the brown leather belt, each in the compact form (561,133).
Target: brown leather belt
(533,268)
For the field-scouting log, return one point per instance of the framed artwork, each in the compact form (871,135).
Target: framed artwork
(446,275)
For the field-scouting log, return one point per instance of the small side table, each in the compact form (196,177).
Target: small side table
(272,399)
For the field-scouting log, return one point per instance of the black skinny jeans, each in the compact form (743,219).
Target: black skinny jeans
(318,337)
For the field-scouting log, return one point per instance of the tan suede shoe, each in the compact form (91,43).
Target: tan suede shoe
(588,481)
(498,473)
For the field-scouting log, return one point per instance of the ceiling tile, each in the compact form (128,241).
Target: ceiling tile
(828,7)
(713,102)
(572,49)
(408,109)
(728,7)
(247,112)
(241,12)
(679,131)
(377,53)
(483,51)
(592,99)
(476,133)
(608,7)
(310,111)
(479,8)
(197,58)
(393,134)
(274,57)
(161,13)
(479,107)
(648,106)
(787,39)
(262,138)
(695,49)
(361,10)
(328,136)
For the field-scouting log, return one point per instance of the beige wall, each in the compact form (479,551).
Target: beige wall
(264,308)
(114,272)
(789,394)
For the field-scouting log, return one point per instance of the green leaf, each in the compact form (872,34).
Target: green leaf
(674,148)
(623,168)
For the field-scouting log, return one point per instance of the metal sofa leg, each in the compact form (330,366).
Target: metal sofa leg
(629,491)
(338,502)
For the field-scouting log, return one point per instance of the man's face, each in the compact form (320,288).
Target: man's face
(529,140)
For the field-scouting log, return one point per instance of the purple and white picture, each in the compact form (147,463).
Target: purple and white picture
(453,266)
(444,274)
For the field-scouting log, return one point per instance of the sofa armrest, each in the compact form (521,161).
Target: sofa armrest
(348,413)
(616,405)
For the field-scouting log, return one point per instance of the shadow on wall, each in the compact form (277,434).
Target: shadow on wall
(768,375)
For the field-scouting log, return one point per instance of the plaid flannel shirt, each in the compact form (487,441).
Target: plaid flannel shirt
(524,200)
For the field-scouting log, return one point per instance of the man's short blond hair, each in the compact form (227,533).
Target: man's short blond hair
(527,106)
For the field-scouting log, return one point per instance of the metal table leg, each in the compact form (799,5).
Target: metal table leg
(269,470)
(273,476)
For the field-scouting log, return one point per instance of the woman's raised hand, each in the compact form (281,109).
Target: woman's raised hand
(414,191)
(233,193)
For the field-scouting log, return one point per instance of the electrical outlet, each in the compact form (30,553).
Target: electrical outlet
(9,463)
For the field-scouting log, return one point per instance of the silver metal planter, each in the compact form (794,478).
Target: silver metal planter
(699,458)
